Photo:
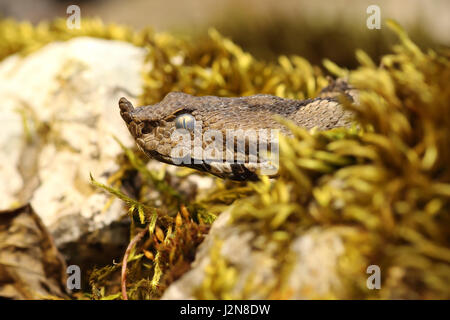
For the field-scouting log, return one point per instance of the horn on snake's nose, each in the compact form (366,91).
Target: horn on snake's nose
(125,109)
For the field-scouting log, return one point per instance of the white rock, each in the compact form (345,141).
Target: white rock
(11,141)
(73,88)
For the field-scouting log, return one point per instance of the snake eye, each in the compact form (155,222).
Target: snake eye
(185,121)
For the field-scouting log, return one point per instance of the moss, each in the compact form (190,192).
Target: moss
(217,66)
(220,277)
(387,177)
(23,37)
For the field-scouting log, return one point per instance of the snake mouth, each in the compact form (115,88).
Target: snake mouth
(236,172)
(239,172)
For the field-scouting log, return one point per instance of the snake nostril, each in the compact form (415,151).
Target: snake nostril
(146,129)
(148,126)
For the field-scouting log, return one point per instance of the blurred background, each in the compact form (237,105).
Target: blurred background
(266,28)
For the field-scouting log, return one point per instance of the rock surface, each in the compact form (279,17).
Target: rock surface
(313,271)
(58,117)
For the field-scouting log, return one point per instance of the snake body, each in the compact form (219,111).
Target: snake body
(153,126)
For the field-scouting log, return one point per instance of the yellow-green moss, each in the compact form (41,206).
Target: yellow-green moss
(389,176)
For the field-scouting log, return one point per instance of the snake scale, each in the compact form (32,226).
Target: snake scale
(153,126)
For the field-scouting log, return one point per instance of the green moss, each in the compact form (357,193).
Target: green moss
(220,277)
(388,177)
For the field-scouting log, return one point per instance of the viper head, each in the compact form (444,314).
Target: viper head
(200,123)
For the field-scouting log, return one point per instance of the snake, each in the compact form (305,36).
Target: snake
(159,128)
